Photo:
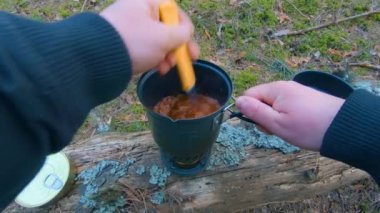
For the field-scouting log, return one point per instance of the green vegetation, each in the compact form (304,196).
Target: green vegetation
(244,79)
(225,28)
(134,126)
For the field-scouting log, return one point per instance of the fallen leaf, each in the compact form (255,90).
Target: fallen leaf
(207,34)
(234,2)
(358,187)
(377,47)
(241,56)
(126,117)
(278,41)
(283,17)
(295,61)
(223,21)
(341,53)
(376,50)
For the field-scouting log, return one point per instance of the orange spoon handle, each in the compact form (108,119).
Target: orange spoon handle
(169,15)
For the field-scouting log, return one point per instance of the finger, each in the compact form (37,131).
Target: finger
(155,8)
(185,20)
(170,58)
(164,67)
(262,129)
(259,112)
(194,50)
(266,93)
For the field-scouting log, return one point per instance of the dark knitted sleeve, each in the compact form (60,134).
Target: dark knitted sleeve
(51,76)
(354,135)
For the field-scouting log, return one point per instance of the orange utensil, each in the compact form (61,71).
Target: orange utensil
(169,15)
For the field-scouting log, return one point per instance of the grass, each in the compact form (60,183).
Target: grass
(226,28)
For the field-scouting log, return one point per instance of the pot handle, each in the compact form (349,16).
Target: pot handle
(241,117)
(237,114)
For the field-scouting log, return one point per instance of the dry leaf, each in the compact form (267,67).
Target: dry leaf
(234,2)
(242,55)
(278,41)
(377,47)
(295,61)
(376,50)
(283,17)
(342,53)
(207,34)
(126,117)
(223,21)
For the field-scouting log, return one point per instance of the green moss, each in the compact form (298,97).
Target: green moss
(137,109)
(309,7)
(228,33)
(301,24)
(244,79)
(333,5)
(64,12)
(360,7)
(69,8)
(22,3)
(209,5)
(375,17)
(360,71)
(135,126)
(324,40)
(185,4)
(363,56)
(263,13)
(276,51)
(365,206)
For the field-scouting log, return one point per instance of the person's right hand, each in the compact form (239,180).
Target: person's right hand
(298,114)
(149,41)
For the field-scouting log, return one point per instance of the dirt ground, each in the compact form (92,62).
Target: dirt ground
(245,37)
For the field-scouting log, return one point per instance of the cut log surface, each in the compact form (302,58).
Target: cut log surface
(265,176)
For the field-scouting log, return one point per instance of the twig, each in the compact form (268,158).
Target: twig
(283,33)
(83,5)
(366,65)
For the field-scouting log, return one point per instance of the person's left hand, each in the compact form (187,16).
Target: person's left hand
(149,41)
(296,113)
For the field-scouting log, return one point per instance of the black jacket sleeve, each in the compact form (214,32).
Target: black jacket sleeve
(354,135)
(51,76)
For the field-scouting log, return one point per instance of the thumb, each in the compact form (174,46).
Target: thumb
(258,111)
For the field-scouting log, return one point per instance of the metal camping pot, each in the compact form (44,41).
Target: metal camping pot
(185,144)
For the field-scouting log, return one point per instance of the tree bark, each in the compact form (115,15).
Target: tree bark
(265,176)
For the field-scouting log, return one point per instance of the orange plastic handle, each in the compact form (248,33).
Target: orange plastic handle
(169,15)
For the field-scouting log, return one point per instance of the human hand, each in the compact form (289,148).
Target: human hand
(298,114)
(149,41)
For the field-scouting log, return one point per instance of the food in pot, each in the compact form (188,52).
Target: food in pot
(185,106)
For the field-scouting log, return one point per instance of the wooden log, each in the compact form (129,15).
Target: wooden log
(265,176)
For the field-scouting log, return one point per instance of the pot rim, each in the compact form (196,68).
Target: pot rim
(303,72)
(338,80)
(198,62)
